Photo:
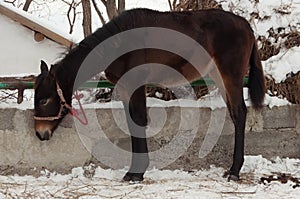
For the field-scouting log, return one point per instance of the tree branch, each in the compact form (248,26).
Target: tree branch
(104,2)
(111,9)
(98,12)
(72,7)
(121,6)
(26,5)
(12,2)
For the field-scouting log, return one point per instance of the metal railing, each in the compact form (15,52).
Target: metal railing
(22,85)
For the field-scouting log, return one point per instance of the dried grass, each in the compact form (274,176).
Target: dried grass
(280,38)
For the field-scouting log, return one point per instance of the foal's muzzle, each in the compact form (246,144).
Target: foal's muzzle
(43,135)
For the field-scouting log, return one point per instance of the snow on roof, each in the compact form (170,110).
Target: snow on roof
(36,24)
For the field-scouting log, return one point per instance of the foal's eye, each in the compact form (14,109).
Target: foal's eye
(43,102)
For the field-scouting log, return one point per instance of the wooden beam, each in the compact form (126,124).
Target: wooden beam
(35,26)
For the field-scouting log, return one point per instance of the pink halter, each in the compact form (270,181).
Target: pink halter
(63,105)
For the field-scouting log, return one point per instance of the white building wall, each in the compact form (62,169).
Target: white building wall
(19,53)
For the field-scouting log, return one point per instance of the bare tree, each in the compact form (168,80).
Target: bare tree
(112,9)
(87,17)
(71,13)
(172,5)
(121,6)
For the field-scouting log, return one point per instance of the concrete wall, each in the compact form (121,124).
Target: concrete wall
(270,132)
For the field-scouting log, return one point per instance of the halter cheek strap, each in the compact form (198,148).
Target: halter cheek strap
(63,105)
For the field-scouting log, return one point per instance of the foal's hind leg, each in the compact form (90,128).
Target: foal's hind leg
(136,116)
(231,89)
(238,112)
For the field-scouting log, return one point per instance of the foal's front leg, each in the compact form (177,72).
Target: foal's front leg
(136,115)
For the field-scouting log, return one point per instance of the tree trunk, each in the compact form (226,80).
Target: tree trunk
(87,17)
(111,9)
(121,6)
(26,5)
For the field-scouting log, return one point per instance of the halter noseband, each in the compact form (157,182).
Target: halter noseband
(63,107)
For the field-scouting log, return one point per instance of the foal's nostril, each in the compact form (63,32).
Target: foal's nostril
(43,137)
(47,135)
(39,136)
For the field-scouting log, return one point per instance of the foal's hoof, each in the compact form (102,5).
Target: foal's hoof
(133,177)
(230,176)
(233,178)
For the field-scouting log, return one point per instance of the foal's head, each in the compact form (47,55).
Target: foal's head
(48,107)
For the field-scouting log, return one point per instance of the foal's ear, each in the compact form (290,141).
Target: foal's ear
(53,69)
(44,67)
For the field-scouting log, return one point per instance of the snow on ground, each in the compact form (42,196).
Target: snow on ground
(106,183)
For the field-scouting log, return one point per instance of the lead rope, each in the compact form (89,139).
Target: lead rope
(75,113)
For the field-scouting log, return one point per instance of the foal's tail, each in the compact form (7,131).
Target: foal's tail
(256,83)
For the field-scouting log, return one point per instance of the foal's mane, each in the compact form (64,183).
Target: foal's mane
(127,20)
(114,26)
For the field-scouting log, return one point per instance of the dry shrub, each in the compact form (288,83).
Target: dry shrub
(287,38)
(289,89)
(292,39)
(160,93)
(200,91)
(267,49)
(280,38)
(167,94)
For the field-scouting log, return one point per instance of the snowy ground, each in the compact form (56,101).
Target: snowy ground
(158,183)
